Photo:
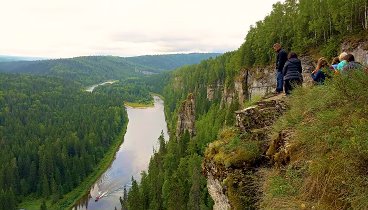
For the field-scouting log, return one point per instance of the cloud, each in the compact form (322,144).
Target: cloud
(123,27)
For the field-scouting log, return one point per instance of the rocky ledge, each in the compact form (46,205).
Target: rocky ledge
(232,164)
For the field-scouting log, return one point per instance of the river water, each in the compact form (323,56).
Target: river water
(144,128)
(90,89)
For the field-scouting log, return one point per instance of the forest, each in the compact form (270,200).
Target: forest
(53,133)
(89,70)
(308,27)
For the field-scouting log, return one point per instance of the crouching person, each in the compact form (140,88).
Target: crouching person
(292,73)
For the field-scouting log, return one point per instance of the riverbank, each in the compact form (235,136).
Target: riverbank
(69,200)
(138,105)
(141,105)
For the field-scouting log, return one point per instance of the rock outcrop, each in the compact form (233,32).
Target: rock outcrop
(358,49)
(237,92)
(235,183)
(216,191)
(212,89)
(261,80)
(186,117)
(261,115)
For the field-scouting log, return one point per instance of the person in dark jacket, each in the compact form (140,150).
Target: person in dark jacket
(280,62)
(292,73)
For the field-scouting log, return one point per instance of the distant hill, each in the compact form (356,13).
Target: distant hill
(172,61)
(91,69)
(6,58)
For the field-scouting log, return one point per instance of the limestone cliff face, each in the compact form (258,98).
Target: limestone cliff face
(211,89)
(239,91)
(243,173)
(358,49)
(258,81)
(216,191)
(186,117)
(261,80)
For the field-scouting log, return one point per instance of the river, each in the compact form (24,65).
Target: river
(90,89)
(144,128)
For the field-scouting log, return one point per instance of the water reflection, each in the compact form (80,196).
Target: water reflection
(144,128)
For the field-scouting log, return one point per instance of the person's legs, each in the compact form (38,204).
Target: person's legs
(288,86)
(291,84)
(279,82)
(297,83)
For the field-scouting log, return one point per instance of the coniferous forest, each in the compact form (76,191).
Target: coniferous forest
(174,179)
(53,133)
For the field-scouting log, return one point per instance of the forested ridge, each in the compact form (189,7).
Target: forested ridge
(89,70)
(174,179)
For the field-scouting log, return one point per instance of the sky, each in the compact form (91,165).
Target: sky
(69,28)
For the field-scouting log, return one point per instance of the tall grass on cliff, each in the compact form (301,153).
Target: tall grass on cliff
(329,148)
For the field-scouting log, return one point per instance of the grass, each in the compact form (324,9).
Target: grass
(139,105)
(68,200)
(232,150)
(254,99)
(330,148)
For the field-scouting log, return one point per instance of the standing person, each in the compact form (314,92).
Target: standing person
(280,62)
(292,73)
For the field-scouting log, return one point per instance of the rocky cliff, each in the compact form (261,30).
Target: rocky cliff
(358,49)
(186,117)
(233,163)
(257,82)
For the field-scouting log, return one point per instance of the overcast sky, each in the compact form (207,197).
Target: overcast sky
(68,28)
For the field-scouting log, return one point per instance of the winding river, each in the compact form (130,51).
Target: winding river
(90,89)
(144,128)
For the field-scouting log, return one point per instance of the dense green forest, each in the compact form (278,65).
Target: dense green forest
(304,26)
(170,61)
(92,69)
(128,90)
(174,180)
(52,134)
